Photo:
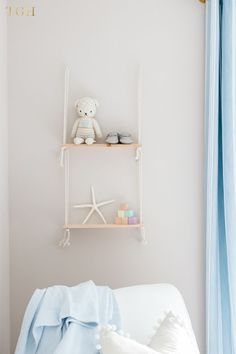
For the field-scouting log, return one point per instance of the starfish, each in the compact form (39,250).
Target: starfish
(94,207)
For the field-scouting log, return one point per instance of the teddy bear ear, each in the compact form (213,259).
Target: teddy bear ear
(77,103)
(96,102)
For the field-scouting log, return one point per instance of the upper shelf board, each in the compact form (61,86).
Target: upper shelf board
(102,146)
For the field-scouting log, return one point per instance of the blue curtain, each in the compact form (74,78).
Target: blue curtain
(221,177)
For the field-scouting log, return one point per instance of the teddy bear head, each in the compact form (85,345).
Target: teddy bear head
(86,107)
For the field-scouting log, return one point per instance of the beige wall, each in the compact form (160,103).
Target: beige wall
(4,230)
(103,42)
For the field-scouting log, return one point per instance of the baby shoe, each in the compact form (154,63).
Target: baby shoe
(112,138)
(125,138)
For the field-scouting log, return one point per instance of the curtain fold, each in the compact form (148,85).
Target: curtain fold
(221,176)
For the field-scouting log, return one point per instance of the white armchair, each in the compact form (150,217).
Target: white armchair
(142,305)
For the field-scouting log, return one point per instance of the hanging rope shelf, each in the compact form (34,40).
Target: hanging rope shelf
(65,162)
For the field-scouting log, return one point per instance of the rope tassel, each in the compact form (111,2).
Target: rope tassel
(65,242)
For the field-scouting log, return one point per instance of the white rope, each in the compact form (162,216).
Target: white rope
(62,156)
(64,159)
(139,157)
(67,186)
(66,95)
(143,236)
(140,103)
(61,243)
(138,153)
(140,181)
(66,239)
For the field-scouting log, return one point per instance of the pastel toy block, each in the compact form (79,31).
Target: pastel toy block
(129,213)
(133,220)
(118,221)
(125,221)
(121,213)
(124,206)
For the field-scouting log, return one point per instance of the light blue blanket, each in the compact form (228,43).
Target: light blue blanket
(64,320)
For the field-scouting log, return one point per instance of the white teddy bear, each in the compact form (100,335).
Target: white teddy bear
(86,128)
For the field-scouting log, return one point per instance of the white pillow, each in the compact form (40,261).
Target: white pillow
(113,343)
(174,337)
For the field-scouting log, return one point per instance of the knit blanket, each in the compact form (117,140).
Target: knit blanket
(64,320)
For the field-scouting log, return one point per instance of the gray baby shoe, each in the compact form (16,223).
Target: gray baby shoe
(112,138)
(125,138)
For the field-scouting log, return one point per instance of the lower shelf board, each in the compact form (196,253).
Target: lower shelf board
(102,226)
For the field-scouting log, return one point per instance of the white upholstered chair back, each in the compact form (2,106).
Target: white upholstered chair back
(142,305)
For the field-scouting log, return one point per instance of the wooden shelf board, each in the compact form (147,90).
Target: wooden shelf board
(101,146)
(102,226)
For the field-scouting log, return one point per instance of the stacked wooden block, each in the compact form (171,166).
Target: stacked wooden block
(125,216)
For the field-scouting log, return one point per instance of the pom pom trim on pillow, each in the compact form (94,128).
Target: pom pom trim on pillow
(173,336)
(112,342)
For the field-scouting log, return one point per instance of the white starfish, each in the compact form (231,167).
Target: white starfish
(94,207)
